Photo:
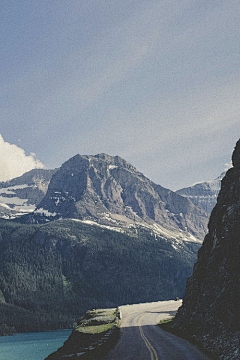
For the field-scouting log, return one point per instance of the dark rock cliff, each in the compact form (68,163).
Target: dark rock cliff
(211,307)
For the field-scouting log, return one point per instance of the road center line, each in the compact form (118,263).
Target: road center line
(151,349)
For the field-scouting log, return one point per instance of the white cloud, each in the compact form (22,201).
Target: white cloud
(14,162)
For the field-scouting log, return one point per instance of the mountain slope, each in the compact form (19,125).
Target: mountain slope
(203,194)
(50,274)
(111,191)
(103,235)
(21,195)
(211,309)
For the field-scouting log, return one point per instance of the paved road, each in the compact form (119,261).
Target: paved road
(142,339)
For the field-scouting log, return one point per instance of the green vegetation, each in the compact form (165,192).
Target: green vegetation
(94,329)
(89,334)
(167,321)
(51,274)
(97,321)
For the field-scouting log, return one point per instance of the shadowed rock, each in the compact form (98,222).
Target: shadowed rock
(211,308)
(236,155)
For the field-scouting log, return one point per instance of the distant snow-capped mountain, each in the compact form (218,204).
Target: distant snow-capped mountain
(203,194)
(21,195)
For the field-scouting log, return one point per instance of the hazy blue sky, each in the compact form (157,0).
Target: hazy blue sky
(155,82)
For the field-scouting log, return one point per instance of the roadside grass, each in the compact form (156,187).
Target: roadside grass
(91,325)
(167,325)
(91,329)
(94,329)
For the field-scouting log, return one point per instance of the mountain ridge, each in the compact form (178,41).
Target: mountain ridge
(109,190)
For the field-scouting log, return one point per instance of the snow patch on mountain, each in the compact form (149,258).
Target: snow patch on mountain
(21,195)
(11,202)
(89,222)
(10,189)
(45,212)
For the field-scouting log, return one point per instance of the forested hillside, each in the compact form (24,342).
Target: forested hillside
(50,274)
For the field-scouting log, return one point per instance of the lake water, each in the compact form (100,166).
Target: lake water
(31,346)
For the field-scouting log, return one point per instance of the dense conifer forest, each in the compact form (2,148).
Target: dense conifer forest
(51,274)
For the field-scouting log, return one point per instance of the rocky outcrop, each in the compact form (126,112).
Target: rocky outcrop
(96,333)
(111,191)
(211,308)
(203,194)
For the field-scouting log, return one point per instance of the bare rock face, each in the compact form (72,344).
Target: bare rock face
(203,194)
(211,307)
(109,190)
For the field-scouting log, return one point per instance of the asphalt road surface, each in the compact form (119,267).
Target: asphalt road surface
(142,339)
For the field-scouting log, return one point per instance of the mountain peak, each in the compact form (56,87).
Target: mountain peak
(96,160)
(110,191)
(203,194)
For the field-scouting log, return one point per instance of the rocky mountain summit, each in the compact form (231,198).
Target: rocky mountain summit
(203,194)
(211,308)
(21,195)
(110,191)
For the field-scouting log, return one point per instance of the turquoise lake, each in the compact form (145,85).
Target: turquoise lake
(31,346)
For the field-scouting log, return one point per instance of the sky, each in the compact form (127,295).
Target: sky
(155,82)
